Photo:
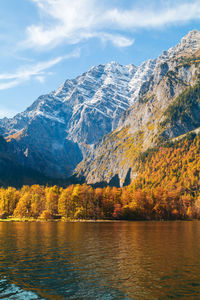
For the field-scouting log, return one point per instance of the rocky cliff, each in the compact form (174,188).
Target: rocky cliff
(56,132)
(12,173)
(166,106)
(106,117)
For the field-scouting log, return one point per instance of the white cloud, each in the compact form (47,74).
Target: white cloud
(77,20)
(154,18)
(73,21)
(40,78)
(7,113)
(9,84)
(116,39)
(37,71)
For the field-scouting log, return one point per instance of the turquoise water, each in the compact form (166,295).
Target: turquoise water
(119,260)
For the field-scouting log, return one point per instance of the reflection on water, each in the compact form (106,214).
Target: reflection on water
(120,260)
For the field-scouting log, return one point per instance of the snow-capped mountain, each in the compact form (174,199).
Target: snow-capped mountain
(99,95)
(60,129)
(166,107)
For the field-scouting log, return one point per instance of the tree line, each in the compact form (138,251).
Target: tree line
(167,187)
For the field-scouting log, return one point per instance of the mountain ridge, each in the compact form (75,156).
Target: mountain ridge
(65,127)
(140,127)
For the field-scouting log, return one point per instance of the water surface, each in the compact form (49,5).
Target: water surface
(119,260)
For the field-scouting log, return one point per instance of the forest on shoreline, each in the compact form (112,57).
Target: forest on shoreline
(167,188)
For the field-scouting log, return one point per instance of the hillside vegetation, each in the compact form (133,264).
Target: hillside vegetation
(167,187)
(185,108)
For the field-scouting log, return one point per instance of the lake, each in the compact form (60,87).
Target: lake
(117,260)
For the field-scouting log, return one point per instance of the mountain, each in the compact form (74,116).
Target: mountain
(100,122)
(167,106)
(56,132)
(12,173)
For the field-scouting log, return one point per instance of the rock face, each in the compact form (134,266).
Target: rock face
(104,118)
(54,134)
(166,106)
(12,173)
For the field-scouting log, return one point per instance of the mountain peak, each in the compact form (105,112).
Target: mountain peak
(113,63)
(193,35)
(190,43)
(84,109)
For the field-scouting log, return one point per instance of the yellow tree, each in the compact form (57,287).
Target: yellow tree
(65,202)
(52,195)
(37,200)
(23,206)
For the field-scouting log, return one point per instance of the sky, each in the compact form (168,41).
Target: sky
(45,42)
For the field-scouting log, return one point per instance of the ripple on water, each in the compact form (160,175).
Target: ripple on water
(129,260)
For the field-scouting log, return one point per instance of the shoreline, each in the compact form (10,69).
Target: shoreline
(60,220)
(26,220)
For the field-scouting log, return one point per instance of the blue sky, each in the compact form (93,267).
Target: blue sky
(44,42)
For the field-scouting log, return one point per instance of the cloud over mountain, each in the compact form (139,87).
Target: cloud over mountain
(75,21)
